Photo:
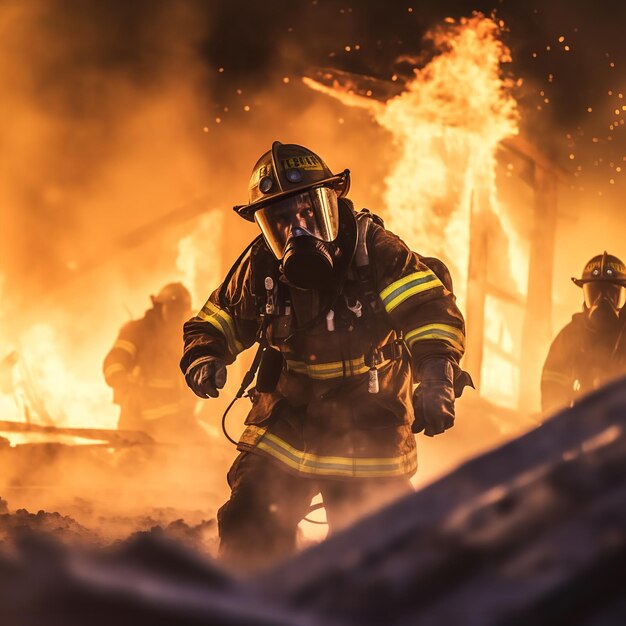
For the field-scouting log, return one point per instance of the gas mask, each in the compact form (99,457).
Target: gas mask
(300,231)
(603,301)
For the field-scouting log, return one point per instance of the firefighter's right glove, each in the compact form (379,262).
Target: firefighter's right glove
(207,378)
(433,398)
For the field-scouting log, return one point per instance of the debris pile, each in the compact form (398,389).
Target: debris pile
(533,532)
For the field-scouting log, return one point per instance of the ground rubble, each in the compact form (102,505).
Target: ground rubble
(533,532)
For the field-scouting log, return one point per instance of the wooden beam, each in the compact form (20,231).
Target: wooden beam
(536,333)
(476,284)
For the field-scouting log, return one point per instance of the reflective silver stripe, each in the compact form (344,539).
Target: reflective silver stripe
(314,464)
(400,290)
(113,369)
(224,323)
(127,346)
(334,369)
(442,332)
(550,376)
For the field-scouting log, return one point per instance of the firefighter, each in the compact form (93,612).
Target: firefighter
(591,349)
(350,318)
(142,369)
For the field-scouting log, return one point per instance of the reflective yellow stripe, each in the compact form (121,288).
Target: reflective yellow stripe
(441,332)
(550,376)
(324,371)
(396,293)
(224,323)
(127,346)
(113,369)
(162,411)
(354,467)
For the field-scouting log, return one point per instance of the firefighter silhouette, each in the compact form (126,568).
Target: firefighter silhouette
(591,349)
(142,369)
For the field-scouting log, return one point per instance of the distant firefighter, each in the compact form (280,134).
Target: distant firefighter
(142,369)
(591,349)
(349,318)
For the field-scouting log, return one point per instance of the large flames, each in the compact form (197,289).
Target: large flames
(446,126)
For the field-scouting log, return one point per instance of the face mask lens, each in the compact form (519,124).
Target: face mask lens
(596,291)
(313,213)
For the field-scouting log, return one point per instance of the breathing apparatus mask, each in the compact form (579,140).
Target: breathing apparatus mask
(603,301)
(603,282)
(300,231)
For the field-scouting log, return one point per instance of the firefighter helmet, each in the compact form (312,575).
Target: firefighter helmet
(603,268)
(287,169)
(174,293)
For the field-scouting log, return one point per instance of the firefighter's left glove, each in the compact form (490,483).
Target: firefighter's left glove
(207,378)
(433,398)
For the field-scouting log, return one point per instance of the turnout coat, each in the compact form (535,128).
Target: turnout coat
(580,360)
(141,367)
(377,326)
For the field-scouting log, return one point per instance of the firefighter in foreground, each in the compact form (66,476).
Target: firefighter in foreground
(350,318)
(591,350)
(142,369)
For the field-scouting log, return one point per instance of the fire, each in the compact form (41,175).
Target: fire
(40,387)
(198,274)
(446,127)
(44,379)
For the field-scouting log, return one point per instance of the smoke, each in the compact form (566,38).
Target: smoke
(117,114)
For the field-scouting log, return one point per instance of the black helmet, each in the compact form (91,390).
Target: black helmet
(288,169)
(604,289)
(603,268)
(173,302)
(173,293)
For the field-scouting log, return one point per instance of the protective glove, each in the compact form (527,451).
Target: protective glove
(433,398)
(207,378)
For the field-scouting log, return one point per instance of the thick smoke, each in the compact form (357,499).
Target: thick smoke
(117,114)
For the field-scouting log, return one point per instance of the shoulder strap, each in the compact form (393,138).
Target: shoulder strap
(363,270)
(265,279)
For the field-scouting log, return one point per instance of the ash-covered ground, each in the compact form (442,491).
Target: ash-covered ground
(97,495)
(531,532)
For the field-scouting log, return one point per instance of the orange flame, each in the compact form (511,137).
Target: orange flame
(446,127)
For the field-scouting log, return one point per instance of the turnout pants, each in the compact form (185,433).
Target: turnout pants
(258,524)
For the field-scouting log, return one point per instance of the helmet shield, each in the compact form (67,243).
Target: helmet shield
(285,170)
(313,212)
(596,291)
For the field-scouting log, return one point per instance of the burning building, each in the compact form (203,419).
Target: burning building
(436,148)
